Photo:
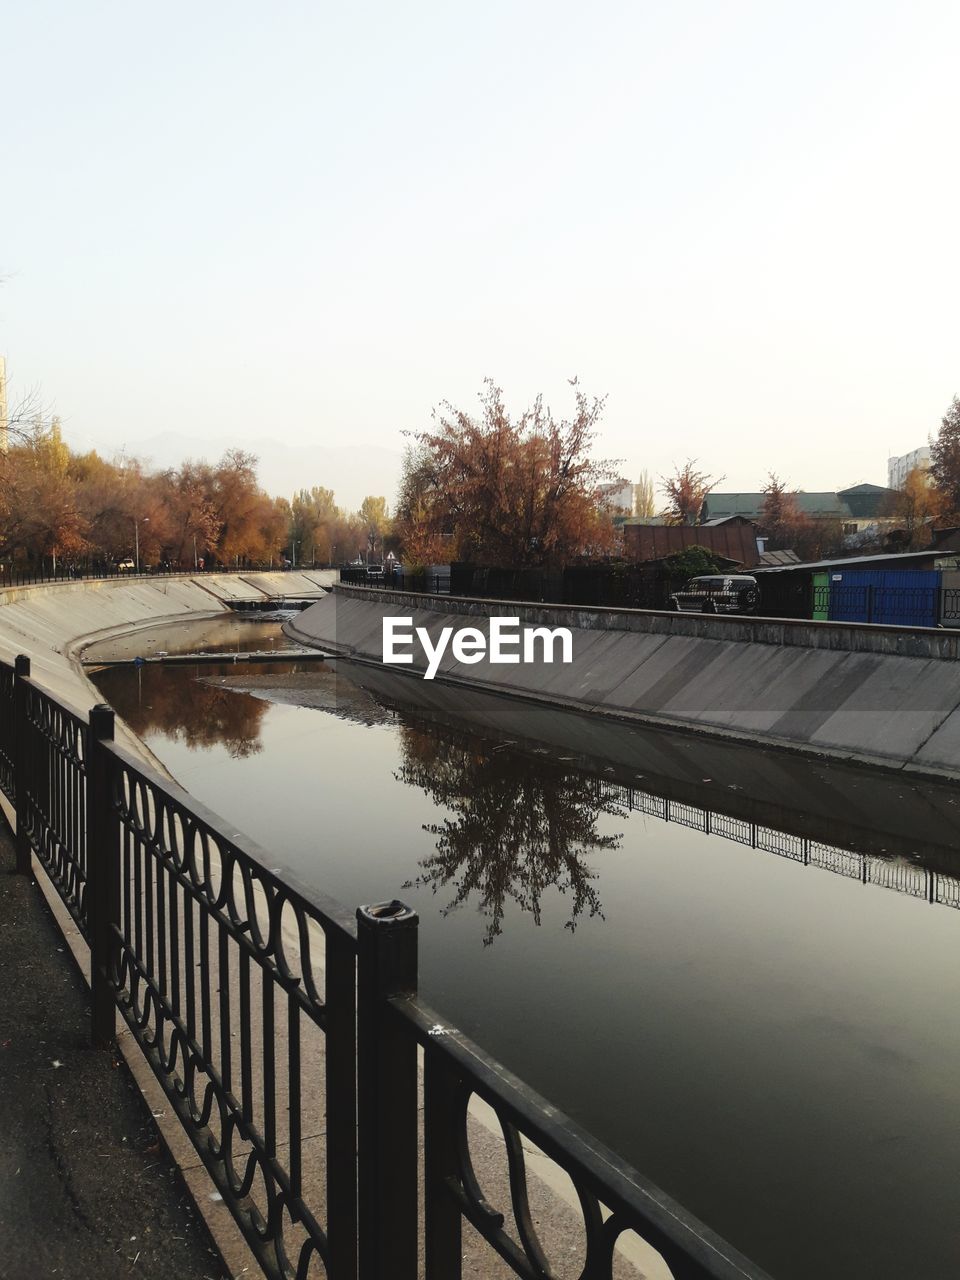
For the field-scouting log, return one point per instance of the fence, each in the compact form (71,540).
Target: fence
(17,577)
(613,585)
(902,877)
(271,1015)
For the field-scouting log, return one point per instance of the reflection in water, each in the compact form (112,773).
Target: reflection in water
(522,821)
(515,832)
(200,715)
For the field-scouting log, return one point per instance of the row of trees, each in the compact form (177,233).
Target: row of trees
(520,492)
(61,509)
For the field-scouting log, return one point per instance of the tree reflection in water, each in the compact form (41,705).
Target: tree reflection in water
(171,701)
(519,826)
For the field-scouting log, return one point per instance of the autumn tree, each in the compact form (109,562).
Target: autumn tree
(644,501)
(313,521)
(512,492)
(192,525)
(39,501)
(251,525)
(687,490)
(375,518)
(917,505)
(781,519)
(945,460)
(424,538)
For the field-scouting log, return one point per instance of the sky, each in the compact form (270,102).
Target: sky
(307,225)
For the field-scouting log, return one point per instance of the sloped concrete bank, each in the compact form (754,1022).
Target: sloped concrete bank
(887,696)
(55,623)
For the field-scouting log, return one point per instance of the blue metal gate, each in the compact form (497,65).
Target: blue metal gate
(890,597)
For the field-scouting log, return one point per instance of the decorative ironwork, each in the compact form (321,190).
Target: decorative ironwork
(950,606)
(841,862)
(614,1201)
(55,752)
(7,721)
(210,947)
(735,829)
(782,843)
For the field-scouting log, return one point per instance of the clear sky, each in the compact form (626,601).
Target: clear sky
(312,222)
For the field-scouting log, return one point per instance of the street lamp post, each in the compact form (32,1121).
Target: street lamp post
(136,538)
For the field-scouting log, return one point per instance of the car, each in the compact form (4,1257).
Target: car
(718,593)
(126,566)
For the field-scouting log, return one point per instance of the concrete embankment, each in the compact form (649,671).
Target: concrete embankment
(57,623)
(881,695)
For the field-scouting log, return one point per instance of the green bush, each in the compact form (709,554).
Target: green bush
(692,562)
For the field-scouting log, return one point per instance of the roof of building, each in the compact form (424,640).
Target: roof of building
(724,520)
(907,559)
(865,500)
(859,502)
(750,505)
(771,559)
(735,542)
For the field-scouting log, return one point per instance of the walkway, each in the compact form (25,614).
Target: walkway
(86,1187)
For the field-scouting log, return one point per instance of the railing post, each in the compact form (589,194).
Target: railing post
(21,760)
(103,877)
(387,1117)
(443,1224)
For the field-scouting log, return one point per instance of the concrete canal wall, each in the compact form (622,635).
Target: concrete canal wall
(57,623)
(880,695)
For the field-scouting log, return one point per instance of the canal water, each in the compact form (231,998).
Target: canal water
(739,971)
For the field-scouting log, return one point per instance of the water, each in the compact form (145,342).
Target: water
(775,1045)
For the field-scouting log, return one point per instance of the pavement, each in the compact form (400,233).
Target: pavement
(86,1186)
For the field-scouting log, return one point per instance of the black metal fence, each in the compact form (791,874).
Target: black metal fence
(910,878)
(434,581)
(614,585)
(950,607)
(289,1037)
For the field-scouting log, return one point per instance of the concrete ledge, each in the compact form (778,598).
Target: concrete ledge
(851,637)
(886,696)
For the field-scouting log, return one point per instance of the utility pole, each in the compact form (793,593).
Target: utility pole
(136,539)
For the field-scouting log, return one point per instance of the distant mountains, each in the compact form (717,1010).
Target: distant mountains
(351,471)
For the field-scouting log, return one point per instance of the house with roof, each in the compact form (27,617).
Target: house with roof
(733,541)
(863,511)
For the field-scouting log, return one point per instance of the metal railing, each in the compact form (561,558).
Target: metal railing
(889,873)
(11,576)
(288,1035)
(432,582)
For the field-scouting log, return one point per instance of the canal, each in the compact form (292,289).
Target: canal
(738,970)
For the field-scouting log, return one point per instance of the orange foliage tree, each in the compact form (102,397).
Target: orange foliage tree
(511,492)
(687,488)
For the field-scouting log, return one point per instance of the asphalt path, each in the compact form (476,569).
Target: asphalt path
(87,1190)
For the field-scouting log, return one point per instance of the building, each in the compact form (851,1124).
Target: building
(618,495)
(732,540)
(912,589)
(862,511)
(899,468)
